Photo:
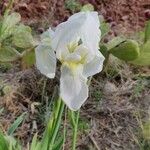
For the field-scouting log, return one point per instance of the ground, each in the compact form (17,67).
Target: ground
(118,105)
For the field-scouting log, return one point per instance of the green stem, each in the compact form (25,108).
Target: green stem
(56,124)
(75,130)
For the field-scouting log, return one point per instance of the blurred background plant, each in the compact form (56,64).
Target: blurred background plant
(129,50)
(16,40)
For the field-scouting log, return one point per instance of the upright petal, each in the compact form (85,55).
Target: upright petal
(46,60)
(73,87)
(82,25)
(90,33)
(94,66)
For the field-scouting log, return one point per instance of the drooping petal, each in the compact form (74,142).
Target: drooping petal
(82,25)
(73,87)
(46,60)
(94,66)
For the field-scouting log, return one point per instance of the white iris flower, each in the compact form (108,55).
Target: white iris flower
(75,43)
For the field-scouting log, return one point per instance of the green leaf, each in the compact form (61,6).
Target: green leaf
(29,59)
(3,142)
(105,28)
(16,124)
(114,42)
(23,40)
(147,32)
(13,143)
(9,23)
(8,54)
(88,7)
(144,57)
(58,144)
(34,143)
(22,37)
(22,27)
(128,50)
(139,37)
(104,50)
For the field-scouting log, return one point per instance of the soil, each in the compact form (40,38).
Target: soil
(119,99)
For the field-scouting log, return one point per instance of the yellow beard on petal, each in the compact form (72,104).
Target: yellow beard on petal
(74,64)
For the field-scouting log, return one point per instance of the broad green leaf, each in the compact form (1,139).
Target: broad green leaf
(147,32)
(8,54)
(22,37)
(22,28)
(29,59)
(115,42)
(105,28)
(16,124)
(144,57)
(128,50)
(23,40)
(88,7)
(3,142)
(9,23)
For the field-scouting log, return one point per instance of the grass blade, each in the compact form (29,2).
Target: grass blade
(16,124)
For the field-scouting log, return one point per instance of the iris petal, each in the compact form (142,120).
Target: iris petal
(46,60)
(94,66)
(73,87)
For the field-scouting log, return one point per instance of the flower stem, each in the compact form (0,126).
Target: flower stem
(56,124)
(75,130)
